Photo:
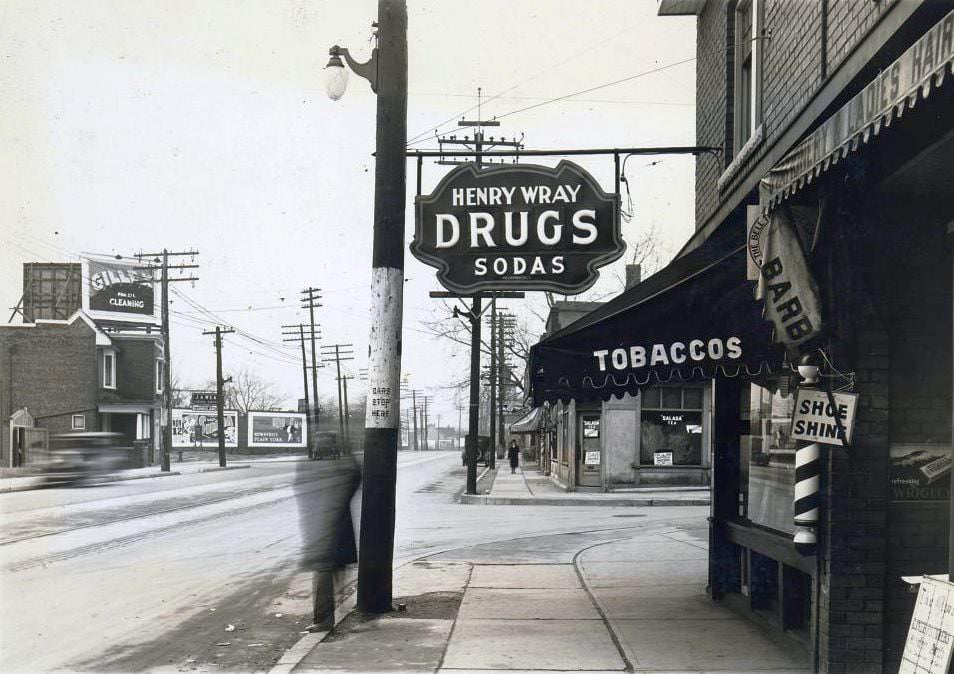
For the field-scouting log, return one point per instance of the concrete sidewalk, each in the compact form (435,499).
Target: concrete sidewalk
(631,604)
(30,482)
(531,487)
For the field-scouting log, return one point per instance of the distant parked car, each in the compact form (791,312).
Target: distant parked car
(81,458)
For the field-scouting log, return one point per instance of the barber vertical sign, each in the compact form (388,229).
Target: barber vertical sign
(785,284)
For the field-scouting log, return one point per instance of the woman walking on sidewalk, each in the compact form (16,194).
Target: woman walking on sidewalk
(514,455)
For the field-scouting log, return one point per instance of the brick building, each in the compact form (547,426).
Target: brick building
(71,375)
(835,125)
(67,368)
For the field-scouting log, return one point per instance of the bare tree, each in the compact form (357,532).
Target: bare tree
(181,396)
(248,391)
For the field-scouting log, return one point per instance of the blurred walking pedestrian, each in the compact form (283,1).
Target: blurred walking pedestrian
(513,454)
(324,492)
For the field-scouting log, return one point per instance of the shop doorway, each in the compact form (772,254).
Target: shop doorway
(589,453)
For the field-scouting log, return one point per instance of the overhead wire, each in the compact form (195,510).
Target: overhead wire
(589,48)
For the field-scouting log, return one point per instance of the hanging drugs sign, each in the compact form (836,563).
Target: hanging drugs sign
(520,227)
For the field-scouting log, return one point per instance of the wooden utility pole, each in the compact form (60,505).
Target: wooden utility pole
(337,353)
(506,323)
(493,383)
(166,408)
(296,333)
(382,418)
(219,385)
(347,414)
(417,447)
(310,301)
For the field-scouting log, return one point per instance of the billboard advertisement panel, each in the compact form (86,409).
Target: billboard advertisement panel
(277,429)
(197,429)
(120,290)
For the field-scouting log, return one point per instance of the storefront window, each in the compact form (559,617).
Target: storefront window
(671,426)
(768,457)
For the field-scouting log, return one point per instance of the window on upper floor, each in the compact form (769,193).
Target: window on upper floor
(159,375)
(747,75)
(109,369)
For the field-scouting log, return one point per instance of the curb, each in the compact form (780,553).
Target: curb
(218,468)
(472,499)
(112,478)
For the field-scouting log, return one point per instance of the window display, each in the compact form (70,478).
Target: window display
(671,426)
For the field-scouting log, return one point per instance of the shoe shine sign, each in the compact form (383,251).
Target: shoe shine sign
(519,227)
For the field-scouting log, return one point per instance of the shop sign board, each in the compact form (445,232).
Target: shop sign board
(191,428)
(920,472)
(204,401)
(119,290)
(519,227)
(895,87)
(662,458)
(927,649)
(277,429)
(592,457)
(815,417)
(591,428)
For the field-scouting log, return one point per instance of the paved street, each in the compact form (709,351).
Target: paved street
(150,574)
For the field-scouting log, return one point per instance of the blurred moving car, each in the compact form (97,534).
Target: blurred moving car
(82,458)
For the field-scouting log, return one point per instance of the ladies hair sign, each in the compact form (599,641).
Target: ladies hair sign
(520,227)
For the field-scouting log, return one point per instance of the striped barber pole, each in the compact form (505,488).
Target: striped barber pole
(807,487)
(807,479)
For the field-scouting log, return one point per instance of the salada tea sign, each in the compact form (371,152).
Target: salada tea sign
(520,227)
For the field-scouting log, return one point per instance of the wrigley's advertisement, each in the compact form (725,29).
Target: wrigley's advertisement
(119,289)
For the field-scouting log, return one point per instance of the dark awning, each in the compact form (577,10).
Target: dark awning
(528,423)
(695,319)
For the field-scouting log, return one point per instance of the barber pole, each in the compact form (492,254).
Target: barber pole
(807,480)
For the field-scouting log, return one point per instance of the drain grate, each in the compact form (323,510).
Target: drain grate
(633,515)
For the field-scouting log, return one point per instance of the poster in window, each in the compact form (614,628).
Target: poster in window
(276,429)
(920,472)
(676,431)
(201,429)
(591,427)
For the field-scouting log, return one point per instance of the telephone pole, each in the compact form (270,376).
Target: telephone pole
(376,560)
(337,353)
(347,414)
(414,392)
(166,412)
(507,323)
(296,333)
(219,383)
(494,379)
(310,301)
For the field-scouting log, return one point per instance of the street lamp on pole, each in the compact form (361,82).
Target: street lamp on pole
(387,72)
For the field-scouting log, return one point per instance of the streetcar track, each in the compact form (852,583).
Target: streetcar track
(160,511)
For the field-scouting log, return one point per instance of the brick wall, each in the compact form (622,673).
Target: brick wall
(713,109)
(920,399)
(792,72)
(51,370)
(135,370)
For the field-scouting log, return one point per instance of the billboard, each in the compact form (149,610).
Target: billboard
(520,227)
(119,290)
(277,429)
(197,429)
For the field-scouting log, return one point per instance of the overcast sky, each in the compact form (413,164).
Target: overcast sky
(129,125)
